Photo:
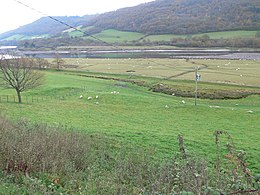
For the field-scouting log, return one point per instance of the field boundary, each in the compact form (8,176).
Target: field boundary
(7,98)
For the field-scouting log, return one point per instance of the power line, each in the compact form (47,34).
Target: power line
(61,22)
(85,33)
(100,40)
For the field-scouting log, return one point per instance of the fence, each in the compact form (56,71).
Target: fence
(25,99)
(40,98)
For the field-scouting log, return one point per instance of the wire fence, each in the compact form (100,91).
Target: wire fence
(40,98)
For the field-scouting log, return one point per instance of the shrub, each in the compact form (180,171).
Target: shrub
(40,159)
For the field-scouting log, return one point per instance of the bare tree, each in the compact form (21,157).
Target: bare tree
(58,61)
(42,63)
(19,74)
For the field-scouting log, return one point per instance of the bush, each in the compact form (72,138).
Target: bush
(39,159)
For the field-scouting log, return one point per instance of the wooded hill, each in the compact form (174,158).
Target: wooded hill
(183,17)
(48,26)
(179,17)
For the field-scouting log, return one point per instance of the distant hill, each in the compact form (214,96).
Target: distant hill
(47,26)
(160,17)
(183,17)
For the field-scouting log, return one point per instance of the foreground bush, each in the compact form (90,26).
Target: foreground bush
(39,159)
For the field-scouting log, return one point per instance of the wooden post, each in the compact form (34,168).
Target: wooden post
(196,85)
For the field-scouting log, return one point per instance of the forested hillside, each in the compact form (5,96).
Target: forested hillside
(45,25)
(183,17)
(194,20)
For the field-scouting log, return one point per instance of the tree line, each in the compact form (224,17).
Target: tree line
(196,41)
(182,17)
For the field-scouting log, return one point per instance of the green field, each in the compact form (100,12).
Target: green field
(116,36)
(113,36)
(238,72)
(212,35)
(124,138)
(24,37)
(140,117)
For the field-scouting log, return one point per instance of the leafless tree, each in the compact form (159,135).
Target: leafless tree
(58,61)
(19,74)
(42,63)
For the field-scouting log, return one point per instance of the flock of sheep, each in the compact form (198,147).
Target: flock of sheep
(166,106)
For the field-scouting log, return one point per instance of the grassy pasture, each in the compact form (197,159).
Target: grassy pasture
(140,117)
(116,36)
(238,72)
(212,35)
(24,37)
(112,36)
(17,37)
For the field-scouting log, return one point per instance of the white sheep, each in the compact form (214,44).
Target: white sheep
(214,106)
(183,102)
(114,92)
(89,98)
(81,96)
(97,97)
(166,106)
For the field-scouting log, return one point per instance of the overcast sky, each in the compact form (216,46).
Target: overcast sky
(13,14)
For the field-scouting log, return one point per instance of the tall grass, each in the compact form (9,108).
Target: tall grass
(39,159)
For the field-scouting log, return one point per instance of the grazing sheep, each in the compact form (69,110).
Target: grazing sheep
(81,96)
(114,92)
(250,111)
(183,102)
(97,97)
(214,107)
(89,98)
(166,106)
(173,94)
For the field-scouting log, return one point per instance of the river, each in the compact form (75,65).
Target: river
(148,53)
